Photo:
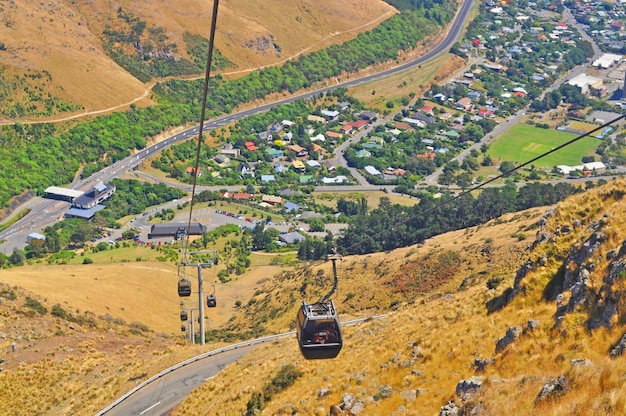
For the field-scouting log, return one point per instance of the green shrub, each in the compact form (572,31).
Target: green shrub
(57,310)
(35,305)
(494,282)
(87,260)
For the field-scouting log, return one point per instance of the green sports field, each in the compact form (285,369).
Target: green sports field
(522,143)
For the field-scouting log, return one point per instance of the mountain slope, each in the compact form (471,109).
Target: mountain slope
(55,49)
(527,301)
(529,342)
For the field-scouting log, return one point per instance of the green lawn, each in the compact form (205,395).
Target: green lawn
(522,142)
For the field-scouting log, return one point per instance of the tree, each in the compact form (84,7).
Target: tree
(17,257)
(316,225)
(506,166)
(464,180)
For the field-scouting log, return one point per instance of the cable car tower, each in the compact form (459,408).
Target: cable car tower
(317,325)
(185,290)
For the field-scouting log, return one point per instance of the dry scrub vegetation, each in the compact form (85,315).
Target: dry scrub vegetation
(411,361)
(437,296)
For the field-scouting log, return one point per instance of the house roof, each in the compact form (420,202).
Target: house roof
(291,238)
(291,206)
(242,195)
(172,228)
(297,164)
(272,199)
(296,148)
(358,124)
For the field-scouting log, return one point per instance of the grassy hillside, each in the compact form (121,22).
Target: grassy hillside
(53,60)
(412,361)
(449,303)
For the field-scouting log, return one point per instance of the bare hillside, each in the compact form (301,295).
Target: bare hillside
(56,47)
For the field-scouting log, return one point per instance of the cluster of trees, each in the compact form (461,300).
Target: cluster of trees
(390,226)
(565,93)
(35,160)
(133,197)
(150,53)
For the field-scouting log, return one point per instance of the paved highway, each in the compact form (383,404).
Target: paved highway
(45,212)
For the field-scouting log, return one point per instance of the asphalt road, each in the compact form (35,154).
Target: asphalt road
(45,211)
(162,395)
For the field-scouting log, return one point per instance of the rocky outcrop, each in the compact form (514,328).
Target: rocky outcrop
(465,389)
(606,307)
(450,409)
(619,349)
(552,389)
(480,364)
(511,335)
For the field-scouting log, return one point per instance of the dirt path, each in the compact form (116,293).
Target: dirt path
(151,84)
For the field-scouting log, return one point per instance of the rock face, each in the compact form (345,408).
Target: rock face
(552,389)
(519,276)
(619,348)
(465,389)
(511,335)
(449,410)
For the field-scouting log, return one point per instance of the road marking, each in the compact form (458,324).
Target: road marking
(150,408)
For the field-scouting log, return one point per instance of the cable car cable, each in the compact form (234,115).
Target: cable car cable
(482,184)
(205,93)
(184,284)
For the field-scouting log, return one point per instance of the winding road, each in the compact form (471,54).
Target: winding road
(45,212)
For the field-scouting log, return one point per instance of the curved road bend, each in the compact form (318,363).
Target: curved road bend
(161,393)
(48,211)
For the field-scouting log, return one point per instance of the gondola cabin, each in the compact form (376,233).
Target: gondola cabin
(211,302)
(318,331)
(184,288)
(183,328)
(183,316)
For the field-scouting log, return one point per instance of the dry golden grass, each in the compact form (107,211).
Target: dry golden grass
(330,199)
(452,328)
(62,38)
(450,325)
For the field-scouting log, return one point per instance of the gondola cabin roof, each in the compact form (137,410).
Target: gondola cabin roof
(320,310)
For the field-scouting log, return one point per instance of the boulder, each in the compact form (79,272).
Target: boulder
(465,389)
(581,362)
(324,391)
(511,335)
(552,389)
(449,409)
